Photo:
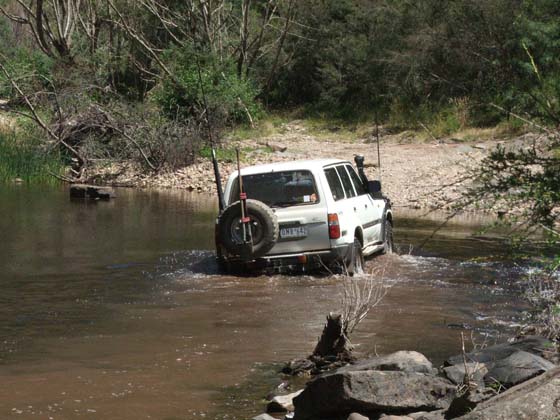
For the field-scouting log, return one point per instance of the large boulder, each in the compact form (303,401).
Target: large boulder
(403,361)
(431,415)
(531,344)
(264,417)
(475,372)
(536,399)
(467,401)
(356,416)
(372,392)
(282,403)
(519,367)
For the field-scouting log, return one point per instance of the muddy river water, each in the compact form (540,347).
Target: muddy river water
(115,310)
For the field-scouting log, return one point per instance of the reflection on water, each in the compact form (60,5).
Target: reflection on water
(116,310)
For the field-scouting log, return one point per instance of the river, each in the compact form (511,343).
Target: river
(115,310)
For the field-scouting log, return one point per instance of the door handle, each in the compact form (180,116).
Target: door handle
(354,208)
(366,206)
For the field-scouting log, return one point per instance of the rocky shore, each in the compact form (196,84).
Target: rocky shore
(517,380)
(415,174)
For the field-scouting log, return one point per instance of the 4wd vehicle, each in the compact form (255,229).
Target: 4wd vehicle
(302,215)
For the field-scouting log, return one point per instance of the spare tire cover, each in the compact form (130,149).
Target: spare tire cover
(264,229)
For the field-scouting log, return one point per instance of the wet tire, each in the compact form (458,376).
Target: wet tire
(223,265)
(356,265)
(388,245)
(264,230)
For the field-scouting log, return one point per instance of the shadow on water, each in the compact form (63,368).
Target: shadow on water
(117,310)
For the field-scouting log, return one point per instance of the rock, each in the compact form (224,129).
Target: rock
(391,417)
(277,147)
(431,415)
(356,416)
(282,403)
(373,392)
(532,344)
(263,417)
(91,191)
(403,361)
(519,367)
(298,367)
(456,373)
(468,401)
(536,399)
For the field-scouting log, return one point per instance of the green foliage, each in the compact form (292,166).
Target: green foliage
(21,156)
(527,177)
(31,68)
(227,95)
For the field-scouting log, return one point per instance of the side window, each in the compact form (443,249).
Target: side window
(358,185)
(346,182)
(334,184)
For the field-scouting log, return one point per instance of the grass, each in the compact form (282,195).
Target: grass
(267,126)
(339,130)
(229,153)
(22,158)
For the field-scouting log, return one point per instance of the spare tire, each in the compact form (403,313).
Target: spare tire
(264,229)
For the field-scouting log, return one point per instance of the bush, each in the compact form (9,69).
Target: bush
(230,99)
(440,120)
(32,69)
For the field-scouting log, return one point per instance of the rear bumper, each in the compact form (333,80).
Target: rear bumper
(304,261)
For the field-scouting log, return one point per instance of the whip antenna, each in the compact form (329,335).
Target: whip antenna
(377,140)
(217,176)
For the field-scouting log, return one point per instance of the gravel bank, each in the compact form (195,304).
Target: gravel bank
(416,175)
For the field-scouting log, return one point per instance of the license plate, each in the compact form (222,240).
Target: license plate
(293,232)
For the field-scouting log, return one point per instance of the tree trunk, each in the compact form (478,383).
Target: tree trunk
(333,341)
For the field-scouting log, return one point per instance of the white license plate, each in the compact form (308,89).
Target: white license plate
(293,232)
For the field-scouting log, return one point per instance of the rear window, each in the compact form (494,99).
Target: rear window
(358,184)
(278,189)
(346,183)
(334,184)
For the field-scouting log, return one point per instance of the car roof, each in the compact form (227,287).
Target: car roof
(315,164)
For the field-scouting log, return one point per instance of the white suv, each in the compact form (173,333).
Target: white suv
(302,215)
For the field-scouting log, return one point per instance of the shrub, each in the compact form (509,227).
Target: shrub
(229,98)
(32,69)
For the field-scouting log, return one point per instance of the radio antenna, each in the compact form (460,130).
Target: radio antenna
(217,176)
(377,139)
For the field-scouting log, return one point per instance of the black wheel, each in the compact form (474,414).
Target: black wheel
(223,265)
(356,265)
(263,224)
(388,246)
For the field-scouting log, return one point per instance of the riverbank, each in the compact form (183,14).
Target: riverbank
(417,171)
(512,380)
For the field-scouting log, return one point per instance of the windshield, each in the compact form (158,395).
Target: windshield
(278,189)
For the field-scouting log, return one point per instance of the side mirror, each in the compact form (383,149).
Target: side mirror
(374,188)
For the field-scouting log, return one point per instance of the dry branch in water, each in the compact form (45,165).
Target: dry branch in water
(360,295)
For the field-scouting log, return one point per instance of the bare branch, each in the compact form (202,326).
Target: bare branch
(361,294)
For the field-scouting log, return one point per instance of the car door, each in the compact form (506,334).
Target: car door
(352,203)
(370,211)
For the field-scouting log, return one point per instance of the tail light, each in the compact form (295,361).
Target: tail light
(334,226)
